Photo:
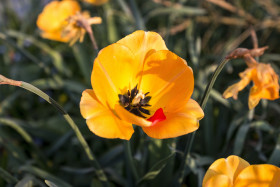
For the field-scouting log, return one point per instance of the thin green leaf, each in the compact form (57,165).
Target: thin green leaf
(156,169)
(50,184)
(44,175)
(7,176)
(240,139)
(26,181)
(275,156)
(57,59)
(184,10)
(84,62)
(262,125)
(17,127)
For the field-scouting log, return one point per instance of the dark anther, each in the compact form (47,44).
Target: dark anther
(134,92)
(144,110)
(137,112)
(124,100)
(135,107)
(145,100)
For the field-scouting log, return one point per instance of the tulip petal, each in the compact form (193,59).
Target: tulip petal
(229,167)
(169,80)
(114,72)
(143,43)
(218,181)
(183,121)
(254,98)
(131,118)
(233,90)
(55,35)
(263,175)
(101,120)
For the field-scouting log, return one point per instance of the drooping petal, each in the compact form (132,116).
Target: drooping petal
(233,90)
(254,98)
(230,167)
(114,72)
(101,120)
(263,175)
(183,121)
(169,80)
(266,85)
(218,181)
(143,43)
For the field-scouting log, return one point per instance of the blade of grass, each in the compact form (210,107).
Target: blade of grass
(156,169)
(56,57)
(26,53)
(274,157)
(7,176)
(84,64)
(189,11)
(100,173)
(44,175)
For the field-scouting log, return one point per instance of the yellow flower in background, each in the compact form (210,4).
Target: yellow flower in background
(96,2)
(53,19)
(236,172)
(139,81)
(63,21)
(265,81)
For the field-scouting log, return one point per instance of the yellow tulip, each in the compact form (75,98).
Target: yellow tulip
(53,19)
(139,81)
(236,172)
(63,21)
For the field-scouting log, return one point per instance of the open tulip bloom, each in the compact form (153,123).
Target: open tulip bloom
(139,81)
(236,172)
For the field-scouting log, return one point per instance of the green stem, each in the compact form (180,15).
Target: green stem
(203,102)
(100,173)
(212,82)
(131,162)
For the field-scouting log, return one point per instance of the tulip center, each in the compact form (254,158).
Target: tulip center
(135,101)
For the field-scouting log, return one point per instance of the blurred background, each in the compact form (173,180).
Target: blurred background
(36,143)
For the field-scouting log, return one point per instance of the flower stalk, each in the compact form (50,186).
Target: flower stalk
(237,53)
(186,157)
(131,162)
(100,173)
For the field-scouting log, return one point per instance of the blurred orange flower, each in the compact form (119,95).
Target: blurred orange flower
(96,2)
(236,172)
(265,81)
(53,19)
(139,81)
(78,25)
(63,21)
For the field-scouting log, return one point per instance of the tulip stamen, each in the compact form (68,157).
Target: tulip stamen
(134,101)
